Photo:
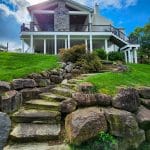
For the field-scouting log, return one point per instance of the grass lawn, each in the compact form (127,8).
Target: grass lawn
(14,65)
(139,75)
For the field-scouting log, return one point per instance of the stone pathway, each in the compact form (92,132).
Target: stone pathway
(39,120)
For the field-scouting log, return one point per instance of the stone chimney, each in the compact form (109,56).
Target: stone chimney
(96,8)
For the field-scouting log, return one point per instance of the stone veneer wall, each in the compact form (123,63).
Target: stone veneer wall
(61,17)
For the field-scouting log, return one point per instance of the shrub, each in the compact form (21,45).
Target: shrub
(114,56)
(103,141)
(101,53)
(90,63)
(73,54)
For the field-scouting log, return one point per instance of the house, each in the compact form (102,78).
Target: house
(59,24)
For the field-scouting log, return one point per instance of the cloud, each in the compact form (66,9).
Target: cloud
(130,3)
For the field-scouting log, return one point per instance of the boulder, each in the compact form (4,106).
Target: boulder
(42,82)
(132,142)
(145,102)
(56,79)
(76,72)
(121,68)
(69,67)
(103,99)
(121,123)
(86,87)
(147,133)
(5,126)
(45,74)
(143,117)
(68,76)
(28,93)
(127,99)
(68,106)
(4,86)
(84,99)
(11,101)
(84,124)
(35,76)
(18,84)
(144,92)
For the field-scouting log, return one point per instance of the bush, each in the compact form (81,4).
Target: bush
(103,141)
(90,63)
(114,56)
(73,54)
(101,53)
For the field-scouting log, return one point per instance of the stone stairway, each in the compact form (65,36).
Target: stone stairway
(39,120)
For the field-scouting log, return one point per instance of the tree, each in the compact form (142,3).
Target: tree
(143,36)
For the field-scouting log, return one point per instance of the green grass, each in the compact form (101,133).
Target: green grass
(139,75)
(14,65)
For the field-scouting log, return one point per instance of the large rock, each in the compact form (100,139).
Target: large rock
(121,123)
(42,82)
(5,126)
(127,99)
(145,102)
(23,83)
(144,92)
(11,101)
(103,99)
(4,86)
(84,124)
(69,67)
(68,106)
(143,117)
(86,87)
(84,99)
(28,93)
(132,142)
(147,133)
(56,79)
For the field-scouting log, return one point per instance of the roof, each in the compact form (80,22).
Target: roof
(73,2)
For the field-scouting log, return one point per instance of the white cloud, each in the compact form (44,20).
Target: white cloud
(130,3)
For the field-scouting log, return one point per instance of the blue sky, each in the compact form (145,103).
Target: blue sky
(123,13)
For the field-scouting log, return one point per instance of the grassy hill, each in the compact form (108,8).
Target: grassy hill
(14,65)
(138,75)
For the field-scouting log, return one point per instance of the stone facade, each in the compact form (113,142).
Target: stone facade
(61,17)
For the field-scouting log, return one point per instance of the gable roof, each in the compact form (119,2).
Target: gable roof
(69,2)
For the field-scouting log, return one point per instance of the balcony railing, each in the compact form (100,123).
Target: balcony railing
(32,27)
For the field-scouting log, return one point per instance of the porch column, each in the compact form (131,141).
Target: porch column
(31,44)
(90,22)
(22,42)
(125,54)
(55,44)
(106,46)
(129,56)
(86,45)
(135,56)
(68,41)
(91,44)
(44,46)
(65,43)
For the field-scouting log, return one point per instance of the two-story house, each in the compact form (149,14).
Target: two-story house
(59,24)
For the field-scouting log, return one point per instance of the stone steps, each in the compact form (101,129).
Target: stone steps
(63,91)
(52,97)
(36,116)
(42,105)
(27,132)
(68,85)
(74,81)
(36,146)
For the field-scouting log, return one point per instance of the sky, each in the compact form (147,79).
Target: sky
(123,13)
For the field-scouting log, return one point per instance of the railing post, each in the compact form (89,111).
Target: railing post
(55,44)
(31,26)
(44,46)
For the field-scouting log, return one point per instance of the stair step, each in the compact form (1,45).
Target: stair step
(36,116)
(27,132)
(74,81)
(43,104)
(63,91)
(52,97)
(36,146)
(68,85)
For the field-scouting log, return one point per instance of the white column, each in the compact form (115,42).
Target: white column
(68,41)
(55,44)
(44,46)
(91,44)
(65,43)
(90,22)
(106,46)
(129,56)
(135,56)
(22,42)
(125,54)
(31,44)
(86,45)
